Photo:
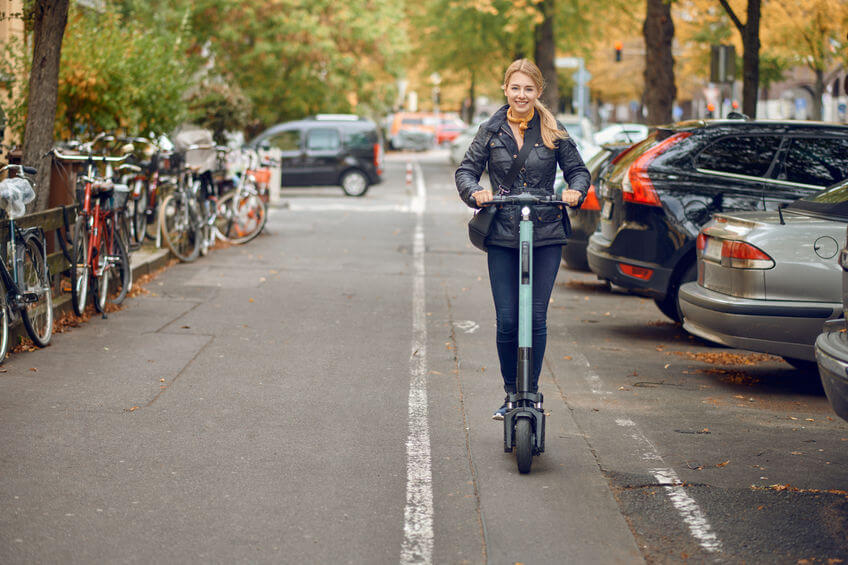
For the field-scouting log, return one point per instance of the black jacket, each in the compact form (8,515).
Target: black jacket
(495,146)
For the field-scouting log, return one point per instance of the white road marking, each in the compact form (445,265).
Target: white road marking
(417,544)
(468,326)
(685,505)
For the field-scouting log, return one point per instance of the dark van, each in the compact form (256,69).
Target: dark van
(327,150)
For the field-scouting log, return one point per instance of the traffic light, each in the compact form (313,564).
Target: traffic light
(618,47)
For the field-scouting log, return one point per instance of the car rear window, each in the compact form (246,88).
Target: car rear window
(743,155)
(360,139)
(832,202)
(818,162)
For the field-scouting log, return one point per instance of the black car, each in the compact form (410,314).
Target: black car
(661,191)
(327,150)
(584,220)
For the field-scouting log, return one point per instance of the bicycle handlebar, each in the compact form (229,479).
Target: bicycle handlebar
(21,169)
(97,158)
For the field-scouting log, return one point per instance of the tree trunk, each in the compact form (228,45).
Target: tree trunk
(49,20)
(545,54)
(472,99)
(818,92)
(750,32)
(660,90)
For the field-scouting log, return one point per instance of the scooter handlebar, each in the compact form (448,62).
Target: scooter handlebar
(524,198)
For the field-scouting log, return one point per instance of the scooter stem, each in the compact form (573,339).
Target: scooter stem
(525,303)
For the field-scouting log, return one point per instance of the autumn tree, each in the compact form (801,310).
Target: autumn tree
(810,34)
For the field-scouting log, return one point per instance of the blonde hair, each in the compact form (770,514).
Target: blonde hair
(550,130)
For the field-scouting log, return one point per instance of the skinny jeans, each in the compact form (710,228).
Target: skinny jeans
(503,276)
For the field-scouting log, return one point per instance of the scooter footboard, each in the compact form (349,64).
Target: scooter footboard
(537,418)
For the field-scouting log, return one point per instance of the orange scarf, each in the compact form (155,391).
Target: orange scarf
(522,122)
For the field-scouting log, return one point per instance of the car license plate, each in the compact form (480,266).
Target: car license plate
(606,213)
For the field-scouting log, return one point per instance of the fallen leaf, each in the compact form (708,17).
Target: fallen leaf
(251,300)
(723,464)
(34,369)
(667,365)
(185,327)
(796,453)
(133,409)
(567,357)
(810,420)
(792,418)
(161,380)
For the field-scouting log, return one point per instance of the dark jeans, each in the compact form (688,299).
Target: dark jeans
(503,276)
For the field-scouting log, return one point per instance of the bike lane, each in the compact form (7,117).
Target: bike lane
(563,511)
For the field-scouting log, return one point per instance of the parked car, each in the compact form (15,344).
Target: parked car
(449,129)
(832,350)
(621,133)
(660,192)
(584,220)
(413,131)
(767,281)
(327,150)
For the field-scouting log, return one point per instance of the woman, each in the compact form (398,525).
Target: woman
(497,144)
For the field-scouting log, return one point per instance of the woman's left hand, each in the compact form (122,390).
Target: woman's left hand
(571,197)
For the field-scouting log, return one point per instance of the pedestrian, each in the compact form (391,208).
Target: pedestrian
(497,143)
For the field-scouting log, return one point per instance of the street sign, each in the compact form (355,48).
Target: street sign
(567,62)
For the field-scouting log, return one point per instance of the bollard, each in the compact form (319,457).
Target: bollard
(408,174)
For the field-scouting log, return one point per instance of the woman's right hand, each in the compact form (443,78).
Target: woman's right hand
(482,196)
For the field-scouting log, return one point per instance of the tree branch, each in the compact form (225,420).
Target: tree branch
(732,15)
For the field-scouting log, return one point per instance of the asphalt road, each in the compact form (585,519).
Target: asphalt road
(323,395)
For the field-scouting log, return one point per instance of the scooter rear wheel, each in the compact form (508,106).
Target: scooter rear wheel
(524,444)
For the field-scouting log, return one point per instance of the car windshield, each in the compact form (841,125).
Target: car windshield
(831,202)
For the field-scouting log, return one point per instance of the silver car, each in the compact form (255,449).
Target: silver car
(767,281)
(832,351)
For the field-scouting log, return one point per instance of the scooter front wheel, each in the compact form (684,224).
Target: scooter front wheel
(524,444)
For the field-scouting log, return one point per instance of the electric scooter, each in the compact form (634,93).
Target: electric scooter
(524,422)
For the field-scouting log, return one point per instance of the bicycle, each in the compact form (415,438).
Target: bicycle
(24,275)
(180,217)
(97,250)
(241,214)
(524,421)
(142,208)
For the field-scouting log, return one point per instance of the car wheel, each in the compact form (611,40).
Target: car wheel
(354,183)
(670,305)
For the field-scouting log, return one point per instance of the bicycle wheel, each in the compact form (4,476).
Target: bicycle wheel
(180,227)
(240,217)
(102,270)
(38,315)
(137,212)
(524,444)
(4,323)
(80,266)
(119,263)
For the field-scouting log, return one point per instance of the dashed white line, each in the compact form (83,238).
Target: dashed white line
(417,544)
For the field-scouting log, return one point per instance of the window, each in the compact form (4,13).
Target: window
(323,140)
(819,162)
(286,140)
(362,139)
(745,155)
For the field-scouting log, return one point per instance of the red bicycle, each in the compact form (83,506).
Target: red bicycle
(99,257)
